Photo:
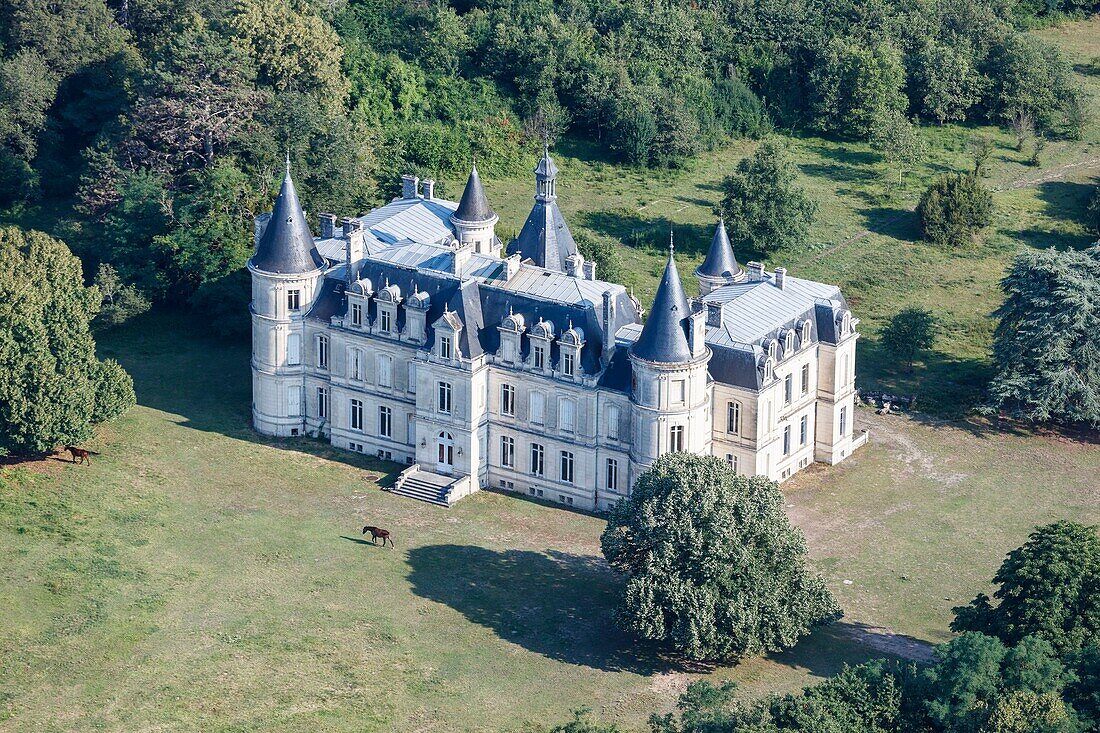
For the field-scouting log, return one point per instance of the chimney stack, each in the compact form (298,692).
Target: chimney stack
(589,268)
(574,265)
(328,226)
(756,272)
(462,254)
(714,314)
(410,186)
(780,276)
(429,188)
(697,336)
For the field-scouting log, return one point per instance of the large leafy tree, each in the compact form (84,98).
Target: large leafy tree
(1048,588)
(910,332)
(954,208)
(1047,343)
(713,566)
(52,387)
(764,206)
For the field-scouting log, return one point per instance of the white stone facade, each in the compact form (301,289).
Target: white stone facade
(416,342)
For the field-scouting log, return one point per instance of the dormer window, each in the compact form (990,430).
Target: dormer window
(773,349)
(805,335)
(446,350)
(769,367)
(846,323)
(788,343)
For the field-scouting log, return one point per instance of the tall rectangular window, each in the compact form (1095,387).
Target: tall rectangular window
(445,349)
(805,378)
(538,455)
(538,357)
(385,422)
(538,408)
(565,414)
(676,438)
(355,364)
(294,300)
(787,440)
(731,461)
(412,377)
(803,430)
(567,367)
(322,402)
(322,351)
(843,421)
(566,467)
(356,414)
(294,401)
(294,349)
(611,475)
(507,399)
(788,386)
(357,314)
(733,417)
(507,452)
(679,392)
(444,404)
(385,370)
(613,422)
(385,320)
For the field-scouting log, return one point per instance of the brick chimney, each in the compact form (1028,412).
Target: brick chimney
(714,314)
(429,188)
(756,272)
(410,186)
(328,226)
(780,276)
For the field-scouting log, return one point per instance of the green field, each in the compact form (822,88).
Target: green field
(197,576)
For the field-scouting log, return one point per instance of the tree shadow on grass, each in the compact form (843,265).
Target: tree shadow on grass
(900,224)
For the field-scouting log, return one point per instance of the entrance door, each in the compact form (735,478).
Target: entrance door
(445,453)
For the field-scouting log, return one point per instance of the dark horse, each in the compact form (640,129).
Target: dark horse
(376,532)
(80,453)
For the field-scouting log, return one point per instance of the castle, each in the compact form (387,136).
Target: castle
(405,334)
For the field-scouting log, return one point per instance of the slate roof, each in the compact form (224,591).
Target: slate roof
(545,238)
(720,260)
(286,245)
(664,336)
(474,205)
(755,310)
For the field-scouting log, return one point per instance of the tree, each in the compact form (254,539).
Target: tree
(1048,588)
(898,140)
(1030,79)
(1092,213)
(764,207)
(713,566)
(909,332)
(52,387)
(1046,342)
(948,84)
(954,208)
(121,302)
(855,84)
(604,251)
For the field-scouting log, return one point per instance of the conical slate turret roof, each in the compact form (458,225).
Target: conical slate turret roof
(720,261)
(474,205)
(664,335)
(286,246)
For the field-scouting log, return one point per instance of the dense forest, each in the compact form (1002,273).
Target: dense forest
(156,129)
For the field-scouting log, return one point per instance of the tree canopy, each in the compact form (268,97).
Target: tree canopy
(53,389)
(954,208)
(713,566)
(910,332)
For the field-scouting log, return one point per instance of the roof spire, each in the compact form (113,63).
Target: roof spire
(474,205)
(286,245)
(671,243)
(664,335)
(720,262)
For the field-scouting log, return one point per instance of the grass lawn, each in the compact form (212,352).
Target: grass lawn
(197,576)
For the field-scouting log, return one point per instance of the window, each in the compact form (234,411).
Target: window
(355,364)
(803,430)
(507,399)
(410,431)
(507,452)
(788,388)
(357,314)
(538,357)
(731,460)
(445,350)
(786,440)
(538,408)
(611,476)
(385,422)
(385,320)
(565,414)
(322,402)
(294,300)
(294,401)
(356,414)
(567,368)
(679,392)
(843,421)
(567,467)
(805,378)
(805,338)
(733,417)
(768,370)
(613,422)
(537,456)
(322,352)
(294,349)
(412,377)
(509,349)
(676,438)
(773,349)
(444,404)
(788,343)
(385,370)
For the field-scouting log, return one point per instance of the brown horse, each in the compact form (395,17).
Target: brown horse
(376,532)
(80,453)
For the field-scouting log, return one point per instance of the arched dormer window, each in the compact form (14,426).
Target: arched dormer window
(845,323)
(511,330)
(804,336)
(772,347)
(571,343)
(388,299)
(768,368)
(542,333)
(788,342)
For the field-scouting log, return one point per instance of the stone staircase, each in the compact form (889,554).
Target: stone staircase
(425,486)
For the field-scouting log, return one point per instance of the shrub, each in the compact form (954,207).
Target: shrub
(954,208)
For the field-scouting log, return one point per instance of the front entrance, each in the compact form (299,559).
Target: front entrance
(445,455)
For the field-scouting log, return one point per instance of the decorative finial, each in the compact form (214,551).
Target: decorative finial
(510,311)
(288,160)
(671,244)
